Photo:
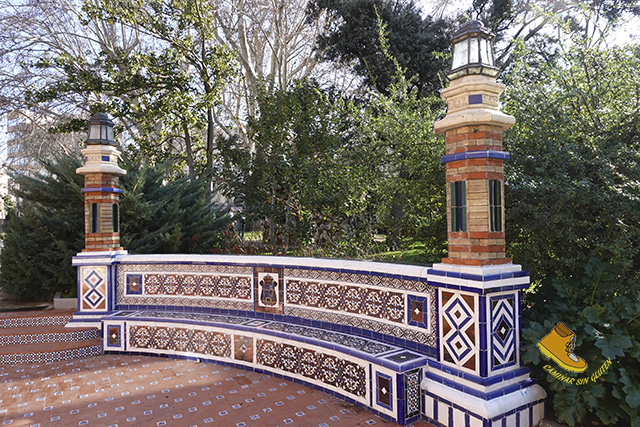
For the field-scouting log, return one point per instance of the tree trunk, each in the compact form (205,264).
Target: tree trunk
(189,149)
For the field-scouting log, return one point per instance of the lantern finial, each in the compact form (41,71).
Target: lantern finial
(472,51)
(100,130)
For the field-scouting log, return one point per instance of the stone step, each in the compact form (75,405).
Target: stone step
(19,319)
(49,352)
(41,337)
(45,334)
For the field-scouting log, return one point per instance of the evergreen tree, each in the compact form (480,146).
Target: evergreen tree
(45,232)
(352,38)
(157,216)
(168,217)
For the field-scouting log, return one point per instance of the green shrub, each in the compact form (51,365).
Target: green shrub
(606,321)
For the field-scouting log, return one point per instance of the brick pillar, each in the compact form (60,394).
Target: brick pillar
(477,378)
(101,198)
(474,160)
(97,275)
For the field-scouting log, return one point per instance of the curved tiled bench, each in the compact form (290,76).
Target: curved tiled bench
(338,363)
(384,336)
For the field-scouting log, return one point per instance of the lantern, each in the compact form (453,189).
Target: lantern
(100,130)
(472,51)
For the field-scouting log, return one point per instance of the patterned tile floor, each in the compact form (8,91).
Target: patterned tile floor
(127,390)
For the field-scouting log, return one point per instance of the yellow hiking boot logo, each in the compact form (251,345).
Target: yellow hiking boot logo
(559,346)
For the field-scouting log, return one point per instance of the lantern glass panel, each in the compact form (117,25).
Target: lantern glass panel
(487,52)
(94,131)
(473,51)
(483,51)
(109,133)
(460,54)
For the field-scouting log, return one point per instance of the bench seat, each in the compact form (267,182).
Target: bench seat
(380,376)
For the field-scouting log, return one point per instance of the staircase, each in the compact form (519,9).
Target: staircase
(41,336)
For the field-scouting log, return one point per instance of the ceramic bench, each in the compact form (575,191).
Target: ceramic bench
(382,336)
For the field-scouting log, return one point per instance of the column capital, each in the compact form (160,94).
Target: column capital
(101,159)
(472,101)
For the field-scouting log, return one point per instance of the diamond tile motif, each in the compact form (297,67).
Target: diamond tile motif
(419,311)
(384,390)
(458,325)
(113,335)
(503,331)
(243,349)
(405,356)
(93,288)
(134,284)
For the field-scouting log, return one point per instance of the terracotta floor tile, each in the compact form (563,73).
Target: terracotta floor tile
(151,391)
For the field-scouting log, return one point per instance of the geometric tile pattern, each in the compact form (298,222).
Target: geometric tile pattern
(180,339)
(37,338)
(358,300)
(194,285)
(503,331)
(363,279)
(21,322)
(426,338)
(357,343)
(93,288)
(216,286)
(315,365)
(458,317)
(412,393)
(218,318)
(50,356)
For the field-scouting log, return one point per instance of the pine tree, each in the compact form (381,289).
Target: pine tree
(158,215)
(45,233)
(168,217)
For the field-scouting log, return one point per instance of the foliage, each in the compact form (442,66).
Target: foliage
(572,199)
(163,85)
(607,326)
(175,216)
(157,216)
(9,206)
(395,136)
(35,261)
(352,38)
(300,179)
(327,173)
(572,181)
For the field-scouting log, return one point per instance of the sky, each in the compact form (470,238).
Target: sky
(627,33)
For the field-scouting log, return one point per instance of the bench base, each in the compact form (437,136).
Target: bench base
(381,377)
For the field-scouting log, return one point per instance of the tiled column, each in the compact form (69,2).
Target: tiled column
(96,271)
(477,379)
